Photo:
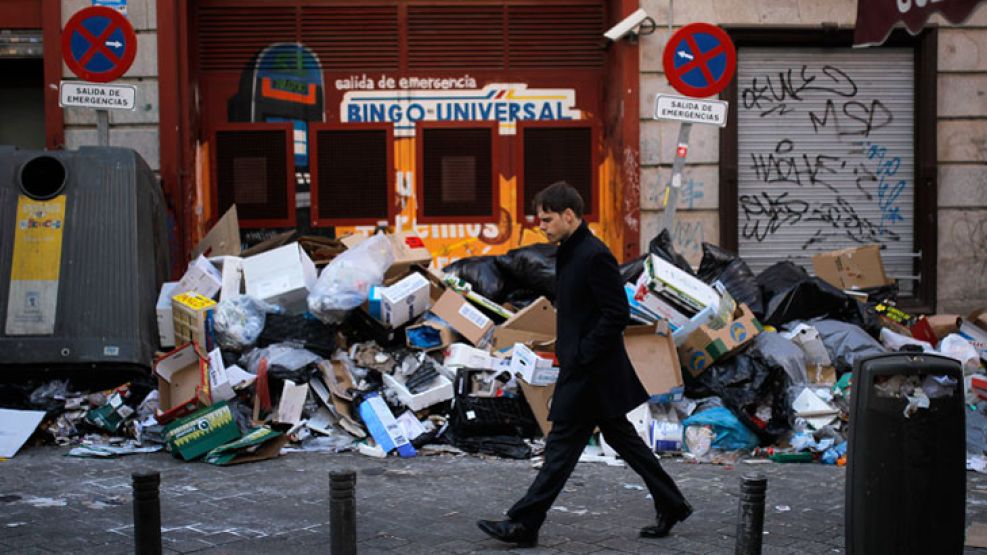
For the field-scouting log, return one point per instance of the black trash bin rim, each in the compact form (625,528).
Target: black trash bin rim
(41,192)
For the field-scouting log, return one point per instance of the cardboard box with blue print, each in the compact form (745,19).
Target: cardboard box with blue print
(706,345)
(201,432)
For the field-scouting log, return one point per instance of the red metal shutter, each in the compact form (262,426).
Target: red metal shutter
(358,38)
(466,36)
(557,154)
(228,37)
(563,36)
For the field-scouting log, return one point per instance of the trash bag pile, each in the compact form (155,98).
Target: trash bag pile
(367,349)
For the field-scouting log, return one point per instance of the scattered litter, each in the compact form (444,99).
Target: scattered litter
(562,509)
(634,487)
(782,508)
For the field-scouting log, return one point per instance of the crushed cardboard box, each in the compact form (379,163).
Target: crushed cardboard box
(706,345)
(852,268)
(655,360)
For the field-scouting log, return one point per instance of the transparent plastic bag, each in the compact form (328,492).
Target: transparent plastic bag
(345,283)
(239,321)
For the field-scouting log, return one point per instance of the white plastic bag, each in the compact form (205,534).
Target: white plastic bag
(345,283)
(239,321)
(956,347)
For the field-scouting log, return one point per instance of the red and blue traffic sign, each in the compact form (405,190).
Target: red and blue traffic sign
(98,44)
(699,60)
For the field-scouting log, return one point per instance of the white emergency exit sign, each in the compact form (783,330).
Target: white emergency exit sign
(78,94)
(690,110)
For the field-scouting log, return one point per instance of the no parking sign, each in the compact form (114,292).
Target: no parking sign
(699,60)
(98,44)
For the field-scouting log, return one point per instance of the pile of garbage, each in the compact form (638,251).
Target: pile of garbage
(266,353)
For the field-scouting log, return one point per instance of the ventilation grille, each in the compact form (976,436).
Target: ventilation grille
(457,175)
(558,154)
(461,37)
(352,37)
(556,36)
(229,39)
(352,175)
(453,37)
(252,171)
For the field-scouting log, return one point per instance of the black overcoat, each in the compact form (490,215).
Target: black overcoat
(596,379)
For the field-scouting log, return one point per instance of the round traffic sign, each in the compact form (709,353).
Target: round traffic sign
(98,44)
(699,60)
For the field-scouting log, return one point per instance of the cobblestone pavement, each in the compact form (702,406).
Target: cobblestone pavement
(50,503)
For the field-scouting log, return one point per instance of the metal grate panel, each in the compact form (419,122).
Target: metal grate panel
(252,171)
(556,36)
(228,38)
(352,37)
(352,175)
(469,37)
(457,173)
(558,154)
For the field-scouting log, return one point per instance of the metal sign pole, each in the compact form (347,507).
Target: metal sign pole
(103,127)
(672,189)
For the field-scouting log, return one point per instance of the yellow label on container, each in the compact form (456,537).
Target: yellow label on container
(38,239)
(35,266)
(194,300)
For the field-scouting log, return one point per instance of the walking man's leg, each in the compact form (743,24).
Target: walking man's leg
(670,504)
(563,446)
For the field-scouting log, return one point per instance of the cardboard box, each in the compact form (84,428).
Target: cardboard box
(428,336)
(463,317)
(183,383)
(282,276)
(945,324)
(409,250)
(291,403)
(706,345)
(405,300)
(440,390)
(220,386)
(979,317)
(222,239)
(383,427)
(852,268)
(532,368)
(201,277)
(257,445)
(192,316)
(533,325)
(460,355)
(539,398)
(655,360)
(166,324)
(668,279)
(201,432)
(231,268)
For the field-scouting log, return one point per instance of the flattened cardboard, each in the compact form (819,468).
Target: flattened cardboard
(463,317)
(706,345)
(539,398)
(222,239)
(852,268)
(183,383)
(166,323)
(257,445)
(652,352)
(534,324)
(201,432)
(292,403)
(16,427)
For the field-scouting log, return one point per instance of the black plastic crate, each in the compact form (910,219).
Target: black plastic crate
(489,416)
(311,334)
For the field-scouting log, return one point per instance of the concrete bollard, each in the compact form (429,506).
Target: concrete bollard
(147,513)
(342,512)
(750,514)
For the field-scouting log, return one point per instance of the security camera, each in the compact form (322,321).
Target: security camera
(630,25)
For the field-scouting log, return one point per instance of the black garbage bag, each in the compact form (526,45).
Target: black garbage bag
(531,267)
(511,447)
(719,264)
(661,245)
(520,298)
(745,382)
(791,294)
(630,271)
(846,343)
(483,274)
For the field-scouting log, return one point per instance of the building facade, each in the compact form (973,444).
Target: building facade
(447,117)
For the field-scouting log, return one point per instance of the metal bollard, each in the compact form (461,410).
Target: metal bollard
(342,512)
(147,513)
(750,515)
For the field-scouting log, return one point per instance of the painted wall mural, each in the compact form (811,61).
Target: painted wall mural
(286,83)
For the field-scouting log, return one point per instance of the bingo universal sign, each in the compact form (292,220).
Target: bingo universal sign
(504,103)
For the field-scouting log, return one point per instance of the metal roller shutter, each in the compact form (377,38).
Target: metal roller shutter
(826,154)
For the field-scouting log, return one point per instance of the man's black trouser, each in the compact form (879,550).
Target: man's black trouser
(566,442)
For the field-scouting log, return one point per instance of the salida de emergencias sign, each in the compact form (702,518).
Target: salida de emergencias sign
(100,97)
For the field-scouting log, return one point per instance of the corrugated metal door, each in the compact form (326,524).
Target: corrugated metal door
(825,154)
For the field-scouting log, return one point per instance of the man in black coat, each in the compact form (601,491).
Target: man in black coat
(597,385)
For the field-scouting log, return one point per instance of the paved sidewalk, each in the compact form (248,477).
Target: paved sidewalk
(50,503)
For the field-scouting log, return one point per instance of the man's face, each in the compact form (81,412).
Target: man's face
(557,225)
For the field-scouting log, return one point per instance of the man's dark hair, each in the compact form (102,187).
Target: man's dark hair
(557,197)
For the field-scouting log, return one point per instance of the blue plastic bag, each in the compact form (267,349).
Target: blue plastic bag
(730,433)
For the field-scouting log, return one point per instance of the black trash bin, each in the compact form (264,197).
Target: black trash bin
(906,476)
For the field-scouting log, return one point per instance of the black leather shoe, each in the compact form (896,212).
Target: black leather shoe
(663,524)
(510,532)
